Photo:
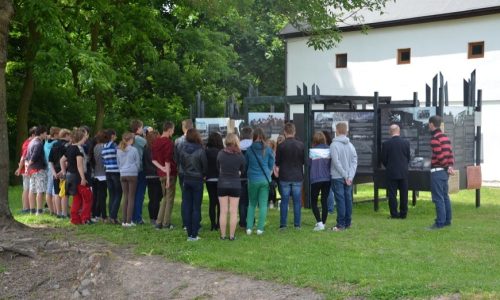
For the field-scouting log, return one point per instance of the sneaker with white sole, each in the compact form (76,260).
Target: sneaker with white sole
(259,232)
(319,226)
(249,231)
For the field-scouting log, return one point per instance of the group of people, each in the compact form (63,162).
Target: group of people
(238,172)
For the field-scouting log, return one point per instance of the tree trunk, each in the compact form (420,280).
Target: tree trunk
(99,99)
(6,11)
(28,86)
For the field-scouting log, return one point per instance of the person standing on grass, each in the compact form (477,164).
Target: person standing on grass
(73,165)
(343,170)
(57,151)
(331,201)
(163,158)
(245,143)
(193,162)
(47,146)
(290,165)
(155,190)
(37,169)
(22,170)
(99,185)
(112,175)
(186,125)
(320,163)
(260,161)
(231,164)
(136,127)
(214,146)
(396,157)
(441,168)
(129,163)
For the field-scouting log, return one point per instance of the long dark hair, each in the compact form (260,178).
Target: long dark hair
(258,134)
(215,141)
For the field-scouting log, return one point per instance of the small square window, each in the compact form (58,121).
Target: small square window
(476,50)
(341,60)
(404,56)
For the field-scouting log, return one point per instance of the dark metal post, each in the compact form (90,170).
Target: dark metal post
(478,143)
(375,149)
(427,95)
(435,91)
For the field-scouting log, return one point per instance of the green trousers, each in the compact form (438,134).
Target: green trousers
(258,193)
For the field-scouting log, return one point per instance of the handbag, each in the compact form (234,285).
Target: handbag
(262,168)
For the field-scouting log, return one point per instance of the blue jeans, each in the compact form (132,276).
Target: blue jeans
(331,201)
(343,201)
(439,191)
(115,193)
(295,189)
(192,194)
(139,197)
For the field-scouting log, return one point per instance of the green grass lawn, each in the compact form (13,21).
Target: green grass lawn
(378,258)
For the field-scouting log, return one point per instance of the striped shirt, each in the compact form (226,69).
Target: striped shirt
(442,154)
(109,157)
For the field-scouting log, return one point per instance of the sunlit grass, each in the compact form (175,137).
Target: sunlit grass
(378,258)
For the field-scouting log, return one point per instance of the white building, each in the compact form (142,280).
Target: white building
(405,48)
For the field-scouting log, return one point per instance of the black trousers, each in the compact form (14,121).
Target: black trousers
(100,193)
(213,204)
(243,204)
(155,193)
(324,187)
(393,185)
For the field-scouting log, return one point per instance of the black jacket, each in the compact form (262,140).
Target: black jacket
(396,157)
(193,161)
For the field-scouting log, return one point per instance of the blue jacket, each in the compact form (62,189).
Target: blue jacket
(319,161)
(254,171)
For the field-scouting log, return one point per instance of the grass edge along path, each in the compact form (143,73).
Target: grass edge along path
(378,258)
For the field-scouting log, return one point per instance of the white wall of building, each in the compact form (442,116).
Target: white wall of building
(435,47)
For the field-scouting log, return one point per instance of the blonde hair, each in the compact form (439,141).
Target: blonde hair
(272,143)
(341,128)
(64,133)
(126,137)
(77,135)
(232,140)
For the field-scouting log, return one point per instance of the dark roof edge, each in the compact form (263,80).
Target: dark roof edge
(411,21)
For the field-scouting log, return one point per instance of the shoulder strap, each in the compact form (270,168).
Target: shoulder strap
(260,165)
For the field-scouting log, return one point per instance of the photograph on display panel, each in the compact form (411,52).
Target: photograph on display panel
(205,126)
(360,132)
(271,123)
(414,124)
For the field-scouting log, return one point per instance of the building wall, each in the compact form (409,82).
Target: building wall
(435,47)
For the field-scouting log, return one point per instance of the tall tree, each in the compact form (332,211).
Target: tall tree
(6,11)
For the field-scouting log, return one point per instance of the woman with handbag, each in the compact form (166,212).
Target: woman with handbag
(230,165)
(260,161)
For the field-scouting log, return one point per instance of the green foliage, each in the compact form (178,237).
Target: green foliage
(378,258)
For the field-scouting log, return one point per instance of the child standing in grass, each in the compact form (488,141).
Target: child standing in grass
(128,163)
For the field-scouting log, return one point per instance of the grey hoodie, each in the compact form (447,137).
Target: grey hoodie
(344,158)
(129,161)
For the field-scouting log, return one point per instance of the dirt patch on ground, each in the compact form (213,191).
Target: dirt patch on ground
(53,264)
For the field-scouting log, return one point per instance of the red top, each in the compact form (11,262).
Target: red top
(24,153)
(442,154)
(163,151)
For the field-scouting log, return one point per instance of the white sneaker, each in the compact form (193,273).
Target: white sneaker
(132,224)
(249,231)
(319,226)
(259,232)
(271,205)
(125,224)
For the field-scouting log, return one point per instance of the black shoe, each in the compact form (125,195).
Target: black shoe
(158,226)
(89,222)
(222,238)
(393,217)
(232,238)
